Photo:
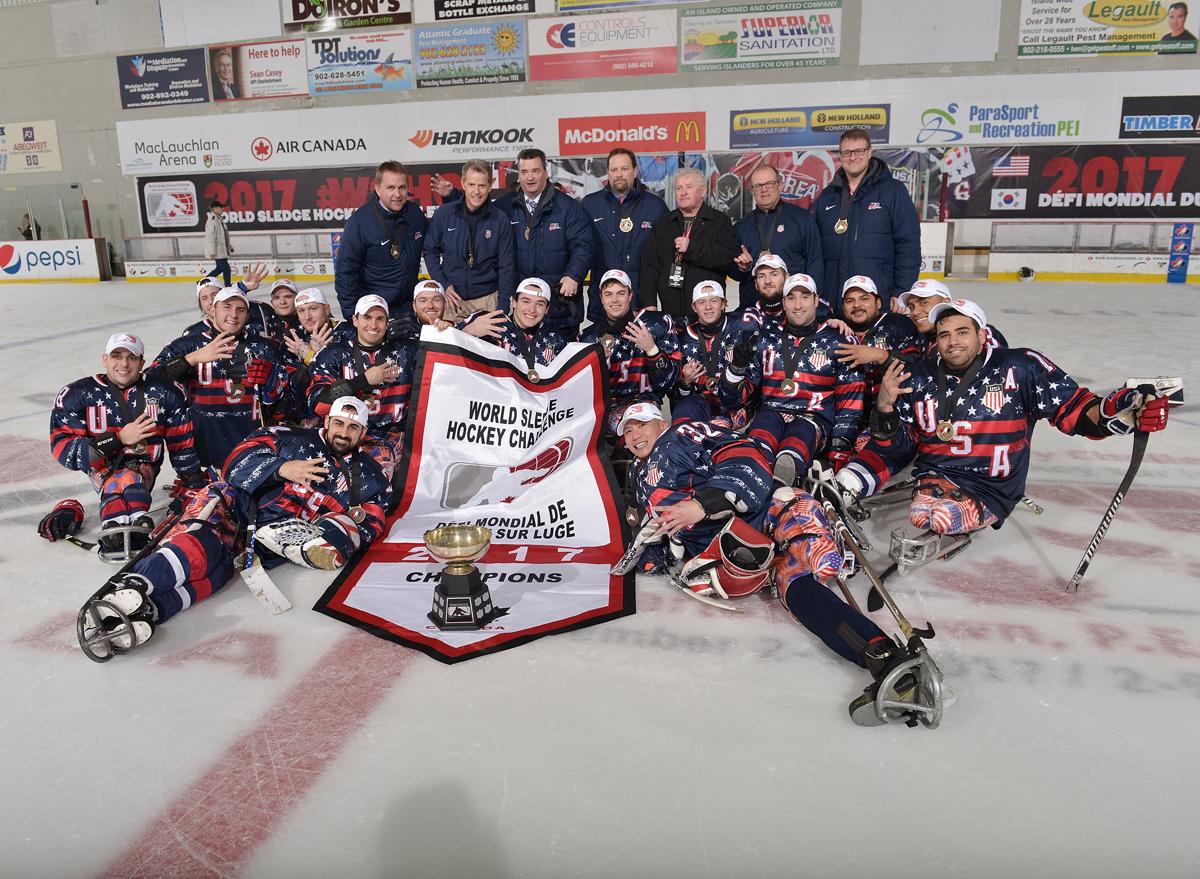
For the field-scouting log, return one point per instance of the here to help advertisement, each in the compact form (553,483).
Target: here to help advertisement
(1057,28)
(259,70)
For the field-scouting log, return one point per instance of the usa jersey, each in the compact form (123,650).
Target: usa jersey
(692,456)
(759,316)
(253,470)
(821,388)
(712,351)
(988,457)
(87,412)
(894,333)
(541,341)
(340,370)
(266,322)
(633,376)
(225,408)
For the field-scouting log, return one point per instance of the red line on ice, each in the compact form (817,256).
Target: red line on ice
(215,826)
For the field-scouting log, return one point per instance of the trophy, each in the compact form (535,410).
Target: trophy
(461,601)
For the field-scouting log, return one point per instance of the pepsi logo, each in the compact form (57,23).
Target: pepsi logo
(10,260)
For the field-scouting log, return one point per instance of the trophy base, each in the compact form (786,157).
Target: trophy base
(461,602)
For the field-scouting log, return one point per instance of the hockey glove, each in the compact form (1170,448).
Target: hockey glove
(63,521)
(1125,410)
(743,353)
(257,373)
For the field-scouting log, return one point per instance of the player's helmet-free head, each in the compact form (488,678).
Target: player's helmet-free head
(958,306)
(371,300)
(429,285)
(708,288)
(351,408)
(534,287)
(799,280)
(618,276)
(770,261)
(310,296)
(923,289)
(638,412)
(130,343)
(861,282)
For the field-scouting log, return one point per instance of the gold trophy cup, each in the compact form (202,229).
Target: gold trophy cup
(461,600)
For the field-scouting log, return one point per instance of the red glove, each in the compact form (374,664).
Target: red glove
(839,458)
(63,521)
(257,373)
(1154,415)
(1127,409)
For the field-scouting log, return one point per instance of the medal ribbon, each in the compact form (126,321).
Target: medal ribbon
(764,237)
(946,404)
(790,363)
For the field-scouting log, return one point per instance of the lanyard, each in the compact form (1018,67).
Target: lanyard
(365,362)
(946,404)
(472,218)
(129,414)
(713,351)
(790,363)
(393,233)
(765,235)
(537,209)
(237,362)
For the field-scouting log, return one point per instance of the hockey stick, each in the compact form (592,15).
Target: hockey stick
(255,576)
(1140,439)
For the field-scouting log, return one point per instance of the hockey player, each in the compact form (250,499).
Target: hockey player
(807,401)
(314,496)
(429,307)
(710,491)
(923,296)
(965,418)
(208,288)
(114,426)
(705,349)
(317,324)
(769,273)
(639,347)
(228,375)
(275,319)
(373,368)
(525,332)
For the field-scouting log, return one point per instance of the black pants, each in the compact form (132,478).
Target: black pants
(222,269)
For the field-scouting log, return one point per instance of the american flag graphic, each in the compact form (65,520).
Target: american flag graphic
(818,359)
(342,483)
(653,475)
(1011,166)
(152,407)
(993,399)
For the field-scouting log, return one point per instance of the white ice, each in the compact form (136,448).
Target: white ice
(681,741)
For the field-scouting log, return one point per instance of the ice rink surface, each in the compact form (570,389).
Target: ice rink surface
(682,741)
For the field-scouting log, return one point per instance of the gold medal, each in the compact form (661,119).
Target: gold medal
(358,514)
(945,431)
(533,376)
(626,224)
(841,226)
(372,405)
(788,387)
(139,448)
(607,341)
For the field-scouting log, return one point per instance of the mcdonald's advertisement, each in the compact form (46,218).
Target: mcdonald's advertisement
(626,43)
(805,126)
(649,133)
(805,33)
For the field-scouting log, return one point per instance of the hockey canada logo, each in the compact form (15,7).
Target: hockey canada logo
(10,260)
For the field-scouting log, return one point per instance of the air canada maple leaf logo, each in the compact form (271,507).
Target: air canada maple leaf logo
(262,148)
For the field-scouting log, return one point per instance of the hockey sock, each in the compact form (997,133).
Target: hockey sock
(822,612)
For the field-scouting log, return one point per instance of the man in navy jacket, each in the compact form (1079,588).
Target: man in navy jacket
(774,226)
(552,240)
(469,248)
(380,251)
(622,216)
(868,224)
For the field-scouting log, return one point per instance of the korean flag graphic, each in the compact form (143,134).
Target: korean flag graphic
(1008,199)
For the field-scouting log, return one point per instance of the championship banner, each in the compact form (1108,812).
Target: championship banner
(632,43)
(249,71)
(805,33)
(264,201)
(1097,182)
(371,61)
(489,446)
(157,79)
(1100,27)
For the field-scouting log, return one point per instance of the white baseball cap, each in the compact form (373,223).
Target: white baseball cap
(799,280)
(429,285)
(616,275)
(371,300)
(961,306)
(769,260)
(310,296)
(708,288)
(923,289)
(230,293)
(350,407)
(638,412)
(285,282)
(862,282)
(534,287)
(132,344)
(205,283)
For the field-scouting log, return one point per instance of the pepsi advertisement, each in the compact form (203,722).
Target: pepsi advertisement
(158,79)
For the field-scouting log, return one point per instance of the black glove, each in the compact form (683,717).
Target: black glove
(743,353)
(64,520)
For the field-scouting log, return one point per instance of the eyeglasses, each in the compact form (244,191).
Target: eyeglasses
(854,154)
(760,187)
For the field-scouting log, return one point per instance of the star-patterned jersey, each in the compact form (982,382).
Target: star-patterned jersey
(713,352)
(988,456)
(226,404)
(894,333)
(340,370)
(694,456)
(632,376)
(265,321)
(88,413)
(540,341)
(760,315)
(817,387)
(354,479)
